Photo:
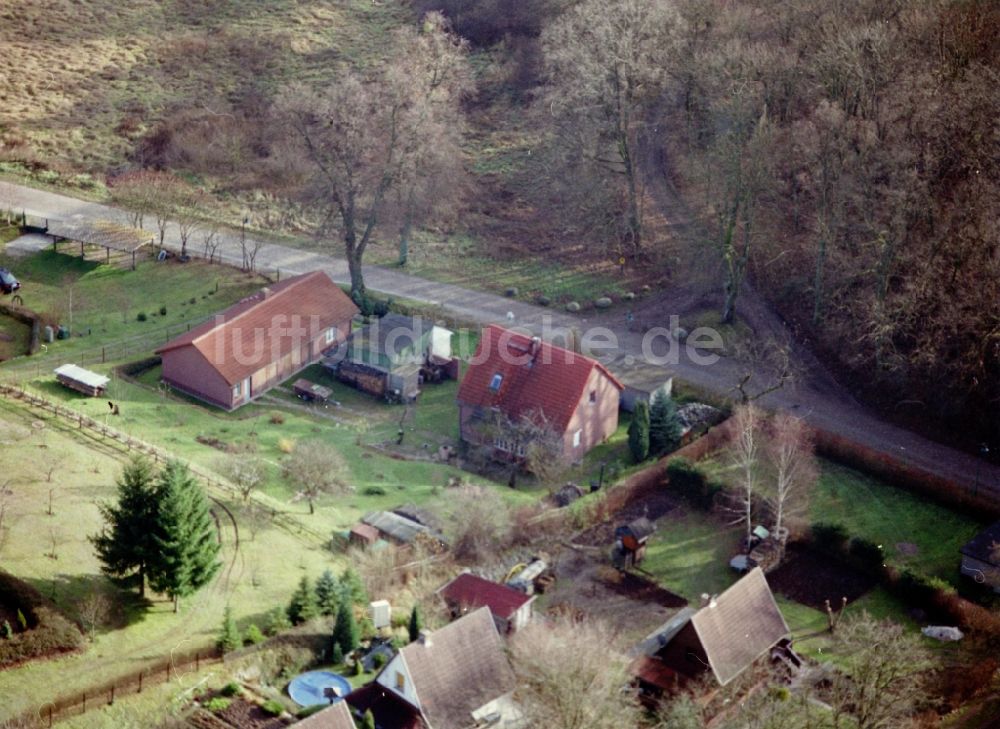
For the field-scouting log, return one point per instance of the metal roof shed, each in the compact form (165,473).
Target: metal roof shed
(81,380)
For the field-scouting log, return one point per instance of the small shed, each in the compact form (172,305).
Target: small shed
(630,542)
(363,535)
(113,238)
(81,380)
(310,391)
(981,557)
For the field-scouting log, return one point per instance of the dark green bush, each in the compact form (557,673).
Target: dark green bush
(231,689)
(866,555)
(141,316)
(272,707)
(43,630)
(163,311)
(254,635)
(688,480)
(373,491)
(829,538)
(378,661)
(217,704)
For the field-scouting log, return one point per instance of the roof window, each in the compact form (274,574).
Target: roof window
(495,382)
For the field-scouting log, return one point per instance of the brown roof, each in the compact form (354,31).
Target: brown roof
(462,668)
(368,533)
(264,327)
(551,382)
(471,591)
(337,716)
(741,625)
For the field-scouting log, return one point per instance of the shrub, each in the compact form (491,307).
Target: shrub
(141,316)
(217,704)
(380,308)
(277,621)
(192,300)
(302,606)
(638,433)
(866,555)
(5,630)
(920,589)
(378,661)
(231,689)
(254,635)
(273,707)
(277,419)
(286,445)
(691,483)
(337,654)
(163,311)
(229,636)
(829,538)
(373,491)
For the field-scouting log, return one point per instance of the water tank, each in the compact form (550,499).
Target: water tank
(381,614)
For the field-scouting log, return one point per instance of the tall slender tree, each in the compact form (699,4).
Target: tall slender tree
(185,536)
(664,426)
(638,433)
(125,546)
(416,623)
(327,592)
(345,632)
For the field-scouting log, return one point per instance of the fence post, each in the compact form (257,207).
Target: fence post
(140,682)
(84,702)
(112,701)
(197,662)
(102,355)
(168,671)
(50,716)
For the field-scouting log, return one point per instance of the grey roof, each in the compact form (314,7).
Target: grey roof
(739,626)
(398,527)
(101,233)
(392,331)
(985,546)
(664,634)
(86,377)
(462,668)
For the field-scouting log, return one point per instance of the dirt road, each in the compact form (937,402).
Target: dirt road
(816,396)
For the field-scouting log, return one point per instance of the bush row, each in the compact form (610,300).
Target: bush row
(48,631)
(692,483)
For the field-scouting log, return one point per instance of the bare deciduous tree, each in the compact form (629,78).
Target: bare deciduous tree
(480,523)
(210,240)
(315,468)
(569,677)
(529,442)
(789,449)
(745,452)
(247,472)
(94,611)
(881,682)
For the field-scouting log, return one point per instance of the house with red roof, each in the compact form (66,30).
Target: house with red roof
(510,608)
(260,341)
(518,376)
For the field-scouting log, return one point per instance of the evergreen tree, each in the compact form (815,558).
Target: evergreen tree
(302,606)
(638,432)
(125,546)
(337,655)
(327,590)
(352,586)
(368,720)
(345,632)
(184,534)
(277,621)
(664,425)
(416,623)
(229,638)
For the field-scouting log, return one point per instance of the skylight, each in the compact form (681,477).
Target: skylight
(495,382)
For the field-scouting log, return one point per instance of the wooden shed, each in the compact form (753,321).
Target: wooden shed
(363,535)
(630,542)
(81,380)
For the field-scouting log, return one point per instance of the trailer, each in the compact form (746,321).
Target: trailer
(311,392)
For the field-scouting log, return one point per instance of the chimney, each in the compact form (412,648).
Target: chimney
(267,292)
(712,603)
(705,600)
(536,343)
(424,638)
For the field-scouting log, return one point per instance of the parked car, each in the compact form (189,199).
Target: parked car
(8,284)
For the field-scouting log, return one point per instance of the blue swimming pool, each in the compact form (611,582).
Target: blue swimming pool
(310,688)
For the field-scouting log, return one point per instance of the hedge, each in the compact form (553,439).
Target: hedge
(48,631)
(691,483)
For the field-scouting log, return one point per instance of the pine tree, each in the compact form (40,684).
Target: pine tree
(277,621)
(368,720)
(337,654)
(416,623)
(302,606)
(184,534)
(352,586)
(229,637)
(125,546)
(327,590)
(638,432)
(664,425)
(345,632)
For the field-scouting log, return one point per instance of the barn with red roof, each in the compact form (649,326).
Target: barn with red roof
(260,341)
(511,609)
(518,376)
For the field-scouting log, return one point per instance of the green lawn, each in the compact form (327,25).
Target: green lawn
(893,517)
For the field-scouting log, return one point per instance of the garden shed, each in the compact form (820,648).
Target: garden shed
(981,557)
(81,380)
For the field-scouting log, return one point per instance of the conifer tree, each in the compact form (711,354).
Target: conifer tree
(352,586)
(345,632)
(125,545)
(327,590)
(638,433)
(302,606)
(664,425)
(229,637)
(368,720)
(416,623)
(184,534)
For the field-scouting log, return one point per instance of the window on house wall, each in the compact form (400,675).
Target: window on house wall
(495,382)
(576,438)
(593,395)
(238,389)
(331,335)
(400,681)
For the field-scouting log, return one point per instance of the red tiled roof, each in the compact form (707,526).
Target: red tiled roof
(264,327)
(551,382)
(471,591)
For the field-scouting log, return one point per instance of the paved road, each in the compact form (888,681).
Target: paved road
(815,397)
